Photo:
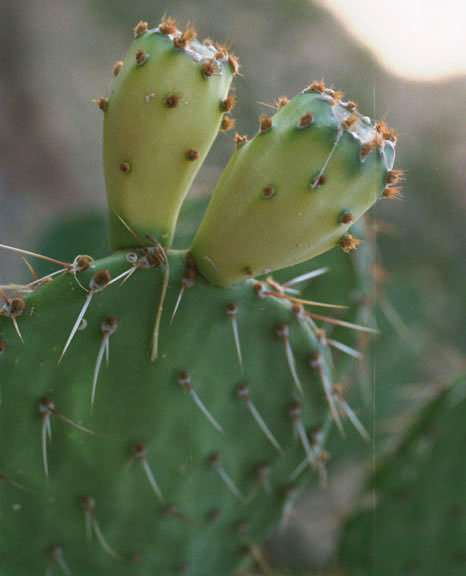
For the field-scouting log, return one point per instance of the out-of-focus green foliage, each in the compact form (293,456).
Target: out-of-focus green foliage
(413,516)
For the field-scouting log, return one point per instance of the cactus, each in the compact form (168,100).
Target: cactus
(419,499)
(185,416)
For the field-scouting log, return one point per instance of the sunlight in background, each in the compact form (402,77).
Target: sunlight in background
(417,39)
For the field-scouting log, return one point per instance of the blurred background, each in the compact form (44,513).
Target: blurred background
(404,62)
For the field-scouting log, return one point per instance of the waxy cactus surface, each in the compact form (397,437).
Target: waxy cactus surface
(158,422)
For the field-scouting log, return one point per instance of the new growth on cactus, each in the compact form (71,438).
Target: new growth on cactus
(164,408)
(295,189)
(168,103)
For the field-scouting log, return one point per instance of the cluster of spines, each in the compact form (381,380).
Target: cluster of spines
(181,41)
(382,134)
(370,137)
(314,455)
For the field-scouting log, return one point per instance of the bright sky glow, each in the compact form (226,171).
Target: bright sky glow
(416,39)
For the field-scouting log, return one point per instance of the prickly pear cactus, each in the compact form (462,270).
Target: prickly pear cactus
(155,421)
(420,495)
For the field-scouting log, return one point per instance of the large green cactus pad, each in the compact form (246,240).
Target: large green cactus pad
(141,402)
(420,495)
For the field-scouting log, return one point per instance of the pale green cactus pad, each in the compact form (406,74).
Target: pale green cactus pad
(165,110)
(294,190)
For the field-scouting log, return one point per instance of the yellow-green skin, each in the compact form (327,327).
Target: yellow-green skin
(151,140)
(244,233)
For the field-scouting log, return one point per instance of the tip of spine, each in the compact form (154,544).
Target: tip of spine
(305,120)
(117,67)
(268,192)
(102,103)
(101,278)
(319,180)
(392,193)
(222,51)
(349,122)
(336,95)
(240,140)
(346,218)
(171,101)
(209,68)
(265,123)
(233,62)
(316,86)
(140,28)
(167,25)
(366,149)
(228,104)
(227,123)
(282,101)
(141,57)
(348,243)
(182,40)
(394,176)
(386,132)
(192,154)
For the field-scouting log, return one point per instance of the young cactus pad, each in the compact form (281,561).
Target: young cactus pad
(165,110)
(159,423)
(294,190)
